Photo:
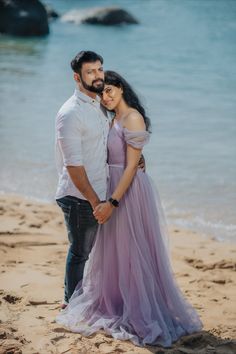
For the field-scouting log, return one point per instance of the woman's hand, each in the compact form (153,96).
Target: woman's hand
(103,212)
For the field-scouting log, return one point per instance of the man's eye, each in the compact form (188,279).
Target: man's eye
(100,69)
(89,72)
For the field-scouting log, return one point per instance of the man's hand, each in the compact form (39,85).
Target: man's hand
(103,211)
(80,179)
(142,163)
(94,203)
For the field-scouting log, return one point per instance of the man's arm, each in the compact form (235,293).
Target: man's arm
(80,179)
(69,136)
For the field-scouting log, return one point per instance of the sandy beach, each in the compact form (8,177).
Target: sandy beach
(33,245)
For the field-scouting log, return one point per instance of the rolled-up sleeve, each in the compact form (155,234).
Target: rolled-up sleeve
(69,137)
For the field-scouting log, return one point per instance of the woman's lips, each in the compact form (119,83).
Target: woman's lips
(107,103)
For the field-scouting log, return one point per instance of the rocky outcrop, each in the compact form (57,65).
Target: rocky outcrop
(108,16)
(23,18)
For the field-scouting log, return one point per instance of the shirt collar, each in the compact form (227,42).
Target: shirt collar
(82,96)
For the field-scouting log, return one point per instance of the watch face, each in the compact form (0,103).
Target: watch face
(115,203)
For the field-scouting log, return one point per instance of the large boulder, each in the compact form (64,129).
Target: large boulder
(100,16)
(23,18)
(110,16)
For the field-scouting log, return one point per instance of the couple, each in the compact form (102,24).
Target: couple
(127,286)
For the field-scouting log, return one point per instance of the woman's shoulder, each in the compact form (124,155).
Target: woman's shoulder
(134,121)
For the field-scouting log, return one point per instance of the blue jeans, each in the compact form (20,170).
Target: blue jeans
(81,227)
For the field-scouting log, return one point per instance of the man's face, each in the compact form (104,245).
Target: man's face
(92,76)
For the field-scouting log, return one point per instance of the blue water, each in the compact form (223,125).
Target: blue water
(181,60)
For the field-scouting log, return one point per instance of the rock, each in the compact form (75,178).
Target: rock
(100,16)
(110,16)
(23,18)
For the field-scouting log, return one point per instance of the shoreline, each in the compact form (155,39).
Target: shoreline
(171,222)
(33,245)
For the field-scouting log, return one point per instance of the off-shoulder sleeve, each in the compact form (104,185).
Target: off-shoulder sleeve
(136,139)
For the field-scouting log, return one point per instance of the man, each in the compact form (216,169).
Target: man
(82,128)
(81,154)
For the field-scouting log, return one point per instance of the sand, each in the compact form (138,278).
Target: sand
(33,245)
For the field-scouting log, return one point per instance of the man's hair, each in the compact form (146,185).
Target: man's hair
(84,57)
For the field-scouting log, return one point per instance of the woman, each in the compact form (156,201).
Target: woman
(128,288)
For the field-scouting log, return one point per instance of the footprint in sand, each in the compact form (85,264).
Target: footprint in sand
(63,330)
(199,264)
(56,339)
(105,348)
(229,347)
(11,346)
(12,299)
(36,226)
(2,211)
(24,285)
(221,281)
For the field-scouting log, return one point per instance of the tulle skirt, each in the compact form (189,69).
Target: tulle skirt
(128,288)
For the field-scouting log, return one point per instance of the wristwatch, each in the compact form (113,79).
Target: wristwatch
(114,202)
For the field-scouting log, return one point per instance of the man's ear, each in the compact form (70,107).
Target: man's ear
(77,78)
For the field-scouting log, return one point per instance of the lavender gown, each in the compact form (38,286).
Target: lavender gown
(128,288)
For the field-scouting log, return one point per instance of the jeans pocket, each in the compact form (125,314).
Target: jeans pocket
(66,211)
(85,215)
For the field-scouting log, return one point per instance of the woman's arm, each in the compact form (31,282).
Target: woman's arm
(133,122)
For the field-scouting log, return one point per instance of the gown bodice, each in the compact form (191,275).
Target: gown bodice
(118,139)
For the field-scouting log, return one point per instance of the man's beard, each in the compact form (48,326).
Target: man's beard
(92,88)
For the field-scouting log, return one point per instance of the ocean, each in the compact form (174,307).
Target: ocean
(181,59)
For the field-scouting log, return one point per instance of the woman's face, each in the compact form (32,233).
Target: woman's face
(111,97)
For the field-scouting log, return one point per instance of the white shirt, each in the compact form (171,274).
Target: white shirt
(81,139)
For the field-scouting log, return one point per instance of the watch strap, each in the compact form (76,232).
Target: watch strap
(114,202)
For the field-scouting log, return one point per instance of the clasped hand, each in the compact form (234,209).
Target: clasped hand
(102,212)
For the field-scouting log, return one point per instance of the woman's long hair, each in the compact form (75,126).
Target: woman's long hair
(130,97)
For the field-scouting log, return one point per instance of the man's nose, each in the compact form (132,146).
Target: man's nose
(99,74)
